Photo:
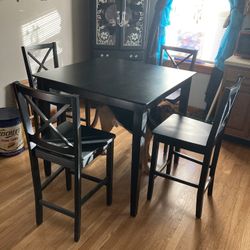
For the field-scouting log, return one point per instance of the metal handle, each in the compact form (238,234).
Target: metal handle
(122,22)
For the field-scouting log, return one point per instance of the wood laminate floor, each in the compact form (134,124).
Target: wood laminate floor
(167,222)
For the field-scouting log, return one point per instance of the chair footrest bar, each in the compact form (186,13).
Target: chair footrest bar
(167,176)
(81,119)
(57,208)
(52,177)
(188,157)
(91,178)
(93,191)
(163,166)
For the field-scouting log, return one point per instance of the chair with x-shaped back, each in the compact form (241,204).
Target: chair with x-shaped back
(41,57)
(69,145)
(36,56)
(177,57)
(195,136)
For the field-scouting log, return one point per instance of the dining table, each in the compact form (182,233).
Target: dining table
(129,85)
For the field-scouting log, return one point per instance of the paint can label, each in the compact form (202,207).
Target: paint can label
(11,139)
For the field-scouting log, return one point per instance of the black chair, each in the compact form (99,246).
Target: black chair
(176,58)
(41,55)
(196,136)
(31,55)
(68,144)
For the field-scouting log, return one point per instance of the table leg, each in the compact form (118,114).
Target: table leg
(138,143)
(185,90)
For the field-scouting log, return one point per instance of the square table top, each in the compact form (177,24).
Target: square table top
(128,81)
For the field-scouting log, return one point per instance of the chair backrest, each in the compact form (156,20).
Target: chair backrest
(176,56)
(38,55)
(223,112)
(46,134)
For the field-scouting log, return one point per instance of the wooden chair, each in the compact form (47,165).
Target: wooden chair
(196,136)
(176,58)
(69,144)
(47,52)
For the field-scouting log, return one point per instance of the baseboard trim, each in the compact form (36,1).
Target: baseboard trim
(236,140)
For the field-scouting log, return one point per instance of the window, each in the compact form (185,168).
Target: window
(198,24)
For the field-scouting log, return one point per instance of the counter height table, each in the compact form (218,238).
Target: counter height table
(129,85)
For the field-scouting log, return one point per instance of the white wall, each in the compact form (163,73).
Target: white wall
(200,81)
(246,23)
(197,91)
(36,21)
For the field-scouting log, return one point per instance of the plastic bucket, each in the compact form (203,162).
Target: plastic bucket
(11,136)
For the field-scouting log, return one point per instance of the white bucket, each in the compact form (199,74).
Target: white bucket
(11,136)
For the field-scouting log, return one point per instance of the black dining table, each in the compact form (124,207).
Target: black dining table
(130,85)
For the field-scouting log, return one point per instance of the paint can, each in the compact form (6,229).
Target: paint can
(11,133)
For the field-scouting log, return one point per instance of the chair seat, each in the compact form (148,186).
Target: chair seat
(183,131)
(93,141)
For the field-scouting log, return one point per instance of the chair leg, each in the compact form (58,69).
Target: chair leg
(37,188)
(165,150)
(213,167)
(109,174)
(170,159)
(152,168)
(95,120)
(202,183)
(87,113)
(68,179)
(47,168)
(77,194)
(176,157)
